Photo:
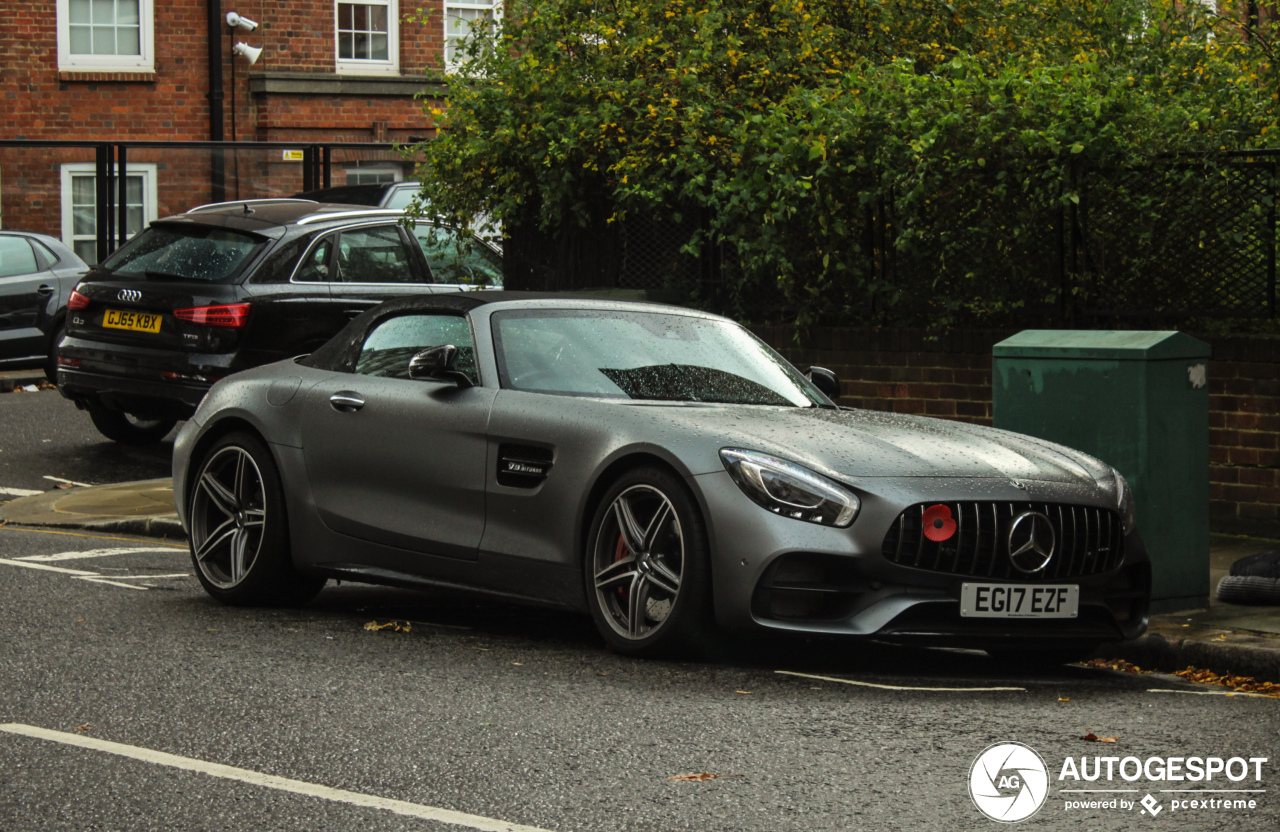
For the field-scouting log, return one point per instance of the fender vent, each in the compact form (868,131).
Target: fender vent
(523,466)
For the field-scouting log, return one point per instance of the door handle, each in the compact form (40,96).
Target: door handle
(44,291)
(345,401)
(351,313)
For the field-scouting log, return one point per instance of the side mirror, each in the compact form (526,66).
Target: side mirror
(437,364)
(826,381)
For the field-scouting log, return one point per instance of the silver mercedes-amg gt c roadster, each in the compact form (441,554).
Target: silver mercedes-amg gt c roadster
(660,468)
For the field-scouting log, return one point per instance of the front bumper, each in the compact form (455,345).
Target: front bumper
(777,574)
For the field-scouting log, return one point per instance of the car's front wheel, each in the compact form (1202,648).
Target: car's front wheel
(647,566)
(129,429)
(239,531)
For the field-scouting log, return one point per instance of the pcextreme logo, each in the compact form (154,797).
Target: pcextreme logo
(1009,782)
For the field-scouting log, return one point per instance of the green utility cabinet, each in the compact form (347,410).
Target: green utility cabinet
(1138,401)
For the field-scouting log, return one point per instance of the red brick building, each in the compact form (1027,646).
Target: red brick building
(170,70)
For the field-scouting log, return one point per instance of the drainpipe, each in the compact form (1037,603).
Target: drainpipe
(217,174)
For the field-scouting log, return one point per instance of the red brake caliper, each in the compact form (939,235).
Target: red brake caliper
(620,552)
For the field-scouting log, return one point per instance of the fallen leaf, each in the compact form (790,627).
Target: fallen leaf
(84,727)
(742,691)
(64,485)
(518,664)
(393,626)
(602,673)
(705,775)
(1092,737)
(1239,684)
(1064,698)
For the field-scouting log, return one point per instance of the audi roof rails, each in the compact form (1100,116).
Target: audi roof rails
(326,216)
(282,200)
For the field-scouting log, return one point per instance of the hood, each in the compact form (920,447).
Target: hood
(867,443)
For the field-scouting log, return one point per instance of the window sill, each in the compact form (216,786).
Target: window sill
(318,83)
(98,76)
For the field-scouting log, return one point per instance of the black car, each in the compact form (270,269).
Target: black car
(36,276)
(225,287)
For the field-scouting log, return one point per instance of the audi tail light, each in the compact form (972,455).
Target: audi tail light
(77,300)
(231,315)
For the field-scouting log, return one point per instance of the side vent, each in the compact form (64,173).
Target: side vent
(523,466)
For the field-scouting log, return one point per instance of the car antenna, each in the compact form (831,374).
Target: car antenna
(247,209)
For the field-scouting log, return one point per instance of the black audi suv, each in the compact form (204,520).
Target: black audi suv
(225,287)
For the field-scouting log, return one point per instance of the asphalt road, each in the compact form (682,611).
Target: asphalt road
(43,436)
(521,716)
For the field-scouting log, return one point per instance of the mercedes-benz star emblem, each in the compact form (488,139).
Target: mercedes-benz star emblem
(129,295)
(1031,542)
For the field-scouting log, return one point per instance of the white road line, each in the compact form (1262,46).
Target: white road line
(148,577)
(271,781)
(97,553)
(96,580)
(45,568)
(888,687)
(18,492)
(68,482)
(1214,693)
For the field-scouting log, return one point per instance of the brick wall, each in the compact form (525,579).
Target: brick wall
(949,376)
(39,102)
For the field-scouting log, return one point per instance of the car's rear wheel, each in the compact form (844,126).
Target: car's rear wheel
(239,531)
(127,428)
(647,566)
(51,363)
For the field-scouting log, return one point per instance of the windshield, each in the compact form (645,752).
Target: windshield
(643,355)
(185,252)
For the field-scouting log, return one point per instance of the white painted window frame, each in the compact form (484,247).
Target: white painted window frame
(395,170)
(150,194)
(494,7)
(144,62)
(391,66)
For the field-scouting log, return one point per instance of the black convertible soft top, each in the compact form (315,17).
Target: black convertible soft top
(340,352)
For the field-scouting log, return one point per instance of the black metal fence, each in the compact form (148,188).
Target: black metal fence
(1172,240)
(35,195)
(1183,238)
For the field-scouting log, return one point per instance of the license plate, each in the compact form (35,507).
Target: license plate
(1019,601)
(136,321)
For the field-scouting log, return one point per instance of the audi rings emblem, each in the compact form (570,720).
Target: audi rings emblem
(131,295)
(1031,542)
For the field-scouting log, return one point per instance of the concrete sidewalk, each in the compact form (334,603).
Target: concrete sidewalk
(1225,638)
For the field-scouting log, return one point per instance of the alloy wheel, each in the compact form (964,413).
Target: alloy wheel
(638,562)
(228,516)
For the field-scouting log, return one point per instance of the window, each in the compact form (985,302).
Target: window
(105,35)
(186,252)
(459,16)
(368,37)
(457,260)
(80,200)
(16,257)
(380,175)
(373,255)
(387,350)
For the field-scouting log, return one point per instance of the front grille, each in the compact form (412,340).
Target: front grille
(1088,541)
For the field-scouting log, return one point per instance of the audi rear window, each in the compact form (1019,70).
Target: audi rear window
(185,253)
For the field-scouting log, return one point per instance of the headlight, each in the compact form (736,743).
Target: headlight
(1124,502)
(790,490)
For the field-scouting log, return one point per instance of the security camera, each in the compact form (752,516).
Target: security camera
(235,21)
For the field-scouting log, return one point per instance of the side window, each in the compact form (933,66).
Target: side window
(50,259)
(387,350)
(16,257)
(457,260)
(314,267)
(373,255)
